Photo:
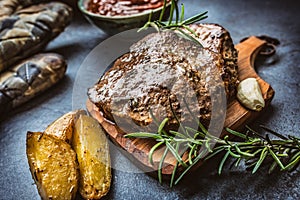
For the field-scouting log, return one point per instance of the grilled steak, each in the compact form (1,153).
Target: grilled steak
(166,76)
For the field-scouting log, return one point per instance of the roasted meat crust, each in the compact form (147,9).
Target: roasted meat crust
(162,76)
(217,39)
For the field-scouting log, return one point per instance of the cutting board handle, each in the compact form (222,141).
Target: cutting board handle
(247,53)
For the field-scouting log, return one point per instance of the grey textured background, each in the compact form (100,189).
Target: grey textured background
(276,18)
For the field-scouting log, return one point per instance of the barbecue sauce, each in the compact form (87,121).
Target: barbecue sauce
(122,7)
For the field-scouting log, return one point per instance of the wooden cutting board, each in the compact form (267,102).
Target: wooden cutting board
(237,115)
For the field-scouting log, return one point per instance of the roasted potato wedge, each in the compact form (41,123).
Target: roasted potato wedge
(53,166)
(63,127)
(91,146)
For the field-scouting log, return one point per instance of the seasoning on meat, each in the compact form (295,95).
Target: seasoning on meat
(158,75)
(217,39)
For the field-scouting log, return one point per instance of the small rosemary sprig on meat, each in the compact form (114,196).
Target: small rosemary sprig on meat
(252,147)
(180,24)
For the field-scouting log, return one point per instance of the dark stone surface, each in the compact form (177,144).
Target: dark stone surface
(276,18)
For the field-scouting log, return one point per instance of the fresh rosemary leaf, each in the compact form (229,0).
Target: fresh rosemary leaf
(191,153)
(207,145)
(242,153)
(257,151)
(150,157)
(296,140)
(216,151)
(235,133)
(276,158)
(254,150)
(163,11)
(195,161)
(251,163)
(175,154)
(223,162)
(188,36)
(226,139)
(172,12)
(161,162)
(296,155)
(177,134)
(175,169)
(196,133)
(173,175)
(179,22)
(282,155)
(161,24)
(191,31)
(233,154)
(143,135)
(293,163)
(182,13)
(203,133)
(195,18)
(261,159)
(147,24)
(162,125)
(238,160)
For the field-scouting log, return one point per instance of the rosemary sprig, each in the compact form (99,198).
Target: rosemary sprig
(180,25)
(252,147)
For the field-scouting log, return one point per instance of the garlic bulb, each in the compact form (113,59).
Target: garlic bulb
(249,94)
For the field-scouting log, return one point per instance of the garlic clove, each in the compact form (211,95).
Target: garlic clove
(249,94)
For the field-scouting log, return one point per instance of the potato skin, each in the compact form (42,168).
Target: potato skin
(53,166)
(63,127)
(91,146)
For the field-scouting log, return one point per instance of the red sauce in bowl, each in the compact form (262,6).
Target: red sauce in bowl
(122,7)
